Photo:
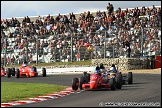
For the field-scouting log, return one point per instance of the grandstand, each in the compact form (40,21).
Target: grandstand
(92,38)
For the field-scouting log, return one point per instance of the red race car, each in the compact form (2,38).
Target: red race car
(3,73)
(93,82)
(7,72)
(27,71)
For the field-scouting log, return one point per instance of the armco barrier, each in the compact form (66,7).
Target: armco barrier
(74,69)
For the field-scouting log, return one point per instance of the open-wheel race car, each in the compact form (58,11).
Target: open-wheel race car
(8,72)
(3,73)
(96,81)
(28,71)
(125,78)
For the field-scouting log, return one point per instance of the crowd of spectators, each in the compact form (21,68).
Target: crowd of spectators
(89,34)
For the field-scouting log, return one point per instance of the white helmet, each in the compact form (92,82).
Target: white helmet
(24,64)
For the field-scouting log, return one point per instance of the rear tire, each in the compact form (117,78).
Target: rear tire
(13,72)
(84,73)
(35,69)
(81,81)
(118,81)
(130,77)
(75,82)
(44,72)
(17,73)
(8,73)
(112,84)
(86,77)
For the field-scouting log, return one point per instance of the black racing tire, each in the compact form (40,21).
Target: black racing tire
(8,72)
(119,81)
(124,80)
(17,73)
(112,83)
(75,82)
(88,77)
(13,71)
(81,81)
(130,77)
(35,69)
(44,72)
(84,73)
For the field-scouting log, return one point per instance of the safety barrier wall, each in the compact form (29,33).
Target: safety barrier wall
(121,64)
(124,63)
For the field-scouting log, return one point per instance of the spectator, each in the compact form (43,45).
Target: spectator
(110,8)
(13,59)
(85,29)
(126,45)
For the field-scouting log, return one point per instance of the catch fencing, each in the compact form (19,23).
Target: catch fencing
(144,42)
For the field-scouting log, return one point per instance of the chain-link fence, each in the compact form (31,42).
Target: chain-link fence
(112,43)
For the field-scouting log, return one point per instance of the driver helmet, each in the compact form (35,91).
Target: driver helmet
(97,68)
(96,71)
(113,65)
(101,66)
(25,63)
(102,70)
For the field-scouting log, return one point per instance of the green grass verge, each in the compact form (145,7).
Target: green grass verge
(85,62)
(12,91)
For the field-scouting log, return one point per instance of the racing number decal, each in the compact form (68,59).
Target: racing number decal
(23,70)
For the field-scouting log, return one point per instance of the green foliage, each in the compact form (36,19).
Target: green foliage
(12,91)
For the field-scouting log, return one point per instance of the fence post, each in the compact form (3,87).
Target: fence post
(71,47)
(142,41)
(105,44)
(27,49)
(37,49)
(43,56)
(10,59)
(113,50)
(60,54)
(5,52)
(142,38)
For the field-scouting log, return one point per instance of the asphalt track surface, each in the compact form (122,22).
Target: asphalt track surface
(145,88)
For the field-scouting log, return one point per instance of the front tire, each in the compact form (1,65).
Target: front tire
(17,73)
(8,73)
(75,82)
(44,72)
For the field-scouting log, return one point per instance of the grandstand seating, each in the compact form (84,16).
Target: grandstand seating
(46,56)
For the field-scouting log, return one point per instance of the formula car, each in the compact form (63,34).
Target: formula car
(3,73)
(28,71)
(125,78)
(94,81)
(7,72)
